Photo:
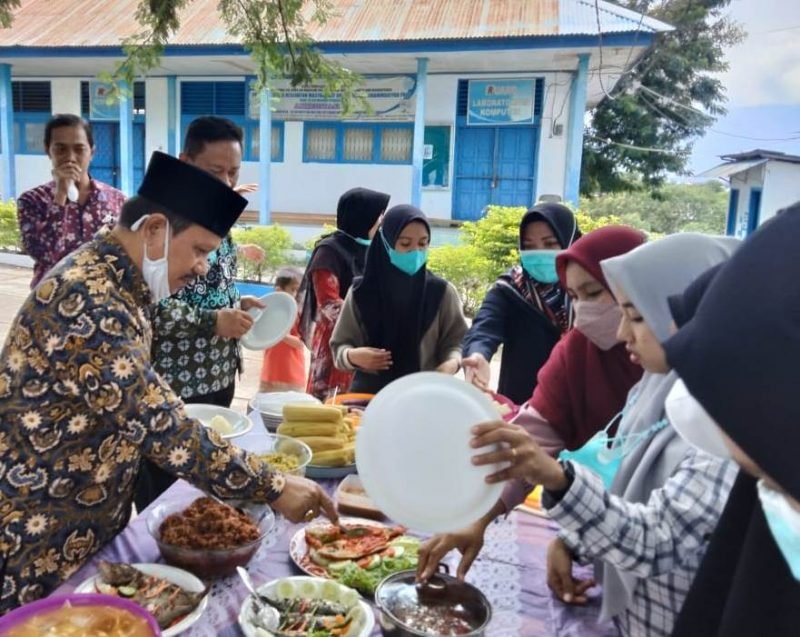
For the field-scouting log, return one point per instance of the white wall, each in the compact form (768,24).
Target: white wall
(66,95)
(156,130)
(781,188)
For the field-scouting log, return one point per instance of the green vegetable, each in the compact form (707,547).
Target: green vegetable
(367,581)
(126,591)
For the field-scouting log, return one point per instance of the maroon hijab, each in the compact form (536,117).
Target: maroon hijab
(581,387)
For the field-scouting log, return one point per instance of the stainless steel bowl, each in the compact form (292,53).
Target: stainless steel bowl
(408,609)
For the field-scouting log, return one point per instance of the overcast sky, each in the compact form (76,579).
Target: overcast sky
(763,84)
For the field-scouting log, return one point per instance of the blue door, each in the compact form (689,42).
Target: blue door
(754,210)
(106,163)
(733,212)
(494,166)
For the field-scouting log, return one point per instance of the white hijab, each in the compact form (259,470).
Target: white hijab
(648,275)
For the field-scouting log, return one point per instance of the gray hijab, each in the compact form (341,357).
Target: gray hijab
(648,275)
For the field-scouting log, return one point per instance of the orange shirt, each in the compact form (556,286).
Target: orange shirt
(284,363)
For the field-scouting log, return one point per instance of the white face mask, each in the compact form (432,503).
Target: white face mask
(156,271)
(693,423)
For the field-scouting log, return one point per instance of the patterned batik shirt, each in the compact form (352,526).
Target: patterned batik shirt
(50,232)
(186,352)
(80,406)
(661,541)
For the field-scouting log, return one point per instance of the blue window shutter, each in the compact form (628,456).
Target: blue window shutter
(197,98)
(462,101)
(230,98)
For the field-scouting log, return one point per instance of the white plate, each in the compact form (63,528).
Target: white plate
(413,453)
(314,588)
(205,413)
(298,548)
(178,576)
(272,323)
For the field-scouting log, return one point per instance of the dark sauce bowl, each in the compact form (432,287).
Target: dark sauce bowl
(443,606)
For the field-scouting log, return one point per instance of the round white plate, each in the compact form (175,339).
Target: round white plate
(271,323)
(298,548)
(240,423)
(178,576)
(413,453)
(313,588)
(324,473)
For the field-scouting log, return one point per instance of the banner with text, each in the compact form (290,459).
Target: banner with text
(390,98)
(501,102)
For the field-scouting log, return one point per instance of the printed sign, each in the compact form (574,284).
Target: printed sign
(501,102)
(390,98)
(101,106)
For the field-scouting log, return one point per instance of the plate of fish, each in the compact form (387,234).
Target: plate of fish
(175,597)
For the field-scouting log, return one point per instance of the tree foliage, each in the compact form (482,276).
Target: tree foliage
(678,67)
(673,208)
(276,242)
(275,32)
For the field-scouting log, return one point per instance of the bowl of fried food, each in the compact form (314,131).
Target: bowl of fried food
(206,536)
(282,453)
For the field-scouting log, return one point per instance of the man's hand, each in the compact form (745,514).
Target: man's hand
(252,252)
(370,359)
(559,575)
(251,302)
(245,188)
(232,323)
(65,174)
(477,371)
(302,500)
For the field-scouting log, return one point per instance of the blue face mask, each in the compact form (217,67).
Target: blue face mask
(364,242)
(540,264)
(604,455)
(408,262)
(784,524)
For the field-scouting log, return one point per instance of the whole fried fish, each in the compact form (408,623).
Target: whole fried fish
(160,597)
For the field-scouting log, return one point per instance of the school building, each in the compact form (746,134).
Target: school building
(473,102)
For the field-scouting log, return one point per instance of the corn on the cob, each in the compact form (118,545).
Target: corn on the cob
(334,458)
(312,413)
(324,443)
(297,429)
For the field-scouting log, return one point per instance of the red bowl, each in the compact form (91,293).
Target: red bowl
(22,614)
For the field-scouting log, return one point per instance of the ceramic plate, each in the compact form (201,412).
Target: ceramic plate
(272,323)
(240,423)
(413,453)
(310,588)
(298,548)
(178,576)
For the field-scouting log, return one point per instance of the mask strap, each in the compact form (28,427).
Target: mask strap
(138,224)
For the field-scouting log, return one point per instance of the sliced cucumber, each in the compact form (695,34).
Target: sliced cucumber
(406,542)
(335,567)
(318,559)
(330,591)
(374,562)
(308,589)
(126,591)
(349,597)
(285,589)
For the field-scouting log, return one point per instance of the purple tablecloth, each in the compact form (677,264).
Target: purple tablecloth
(510,571)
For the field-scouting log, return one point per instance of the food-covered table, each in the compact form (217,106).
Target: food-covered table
(510,571)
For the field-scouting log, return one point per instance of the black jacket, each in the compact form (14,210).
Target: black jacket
(526,334)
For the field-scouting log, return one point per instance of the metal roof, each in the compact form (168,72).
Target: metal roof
(726,170)
(97,23)
(762,154)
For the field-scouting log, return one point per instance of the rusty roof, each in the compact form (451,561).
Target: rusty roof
(98,23)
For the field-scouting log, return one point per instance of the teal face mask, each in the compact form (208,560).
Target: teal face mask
(784,524)
(540,264)
(604,455)
(407,262)
(364,242)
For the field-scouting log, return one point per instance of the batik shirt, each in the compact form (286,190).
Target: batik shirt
(80,405)
(50,232)
(186,352)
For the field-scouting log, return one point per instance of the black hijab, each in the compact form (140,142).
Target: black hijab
(558,217)
(737,354)
(395,309)
(338,252)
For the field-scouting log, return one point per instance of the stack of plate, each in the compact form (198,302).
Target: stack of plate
(270,405)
